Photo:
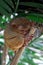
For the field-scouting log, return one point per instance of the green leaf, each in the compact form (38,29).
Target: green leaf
(32,4)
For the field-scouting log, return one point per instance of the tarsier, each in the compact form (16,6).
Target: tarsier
(18,33)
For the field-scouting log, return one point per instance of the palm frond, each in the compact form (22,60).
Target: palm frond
(2,11)
(10,5)
(32,53)
(13,4)
(32,4)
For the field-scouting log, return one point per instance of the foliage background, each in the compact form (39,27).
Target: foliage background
(32,10)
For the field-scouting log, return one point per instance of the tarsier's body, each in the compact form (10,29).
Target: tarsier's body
(18,33)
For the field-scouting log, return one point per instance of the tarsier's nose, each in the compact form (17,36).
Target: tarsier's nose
(22,29)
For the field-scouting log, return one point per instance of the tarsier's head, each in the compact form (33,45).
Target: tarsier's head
(20,25)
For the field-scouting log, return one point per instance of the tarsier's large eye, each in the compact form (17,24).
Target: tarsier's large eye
(14,25)
(22,27)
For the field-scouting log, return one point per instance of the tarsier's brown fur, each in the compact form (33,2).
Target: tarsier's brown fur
(17,34)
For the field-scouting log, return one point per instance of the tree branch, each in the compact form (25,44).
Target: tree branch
(5,52)
(18,54)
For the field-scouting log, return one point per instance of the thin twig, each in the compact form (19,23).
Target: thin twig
(5,52)
(17,56)
(17,5)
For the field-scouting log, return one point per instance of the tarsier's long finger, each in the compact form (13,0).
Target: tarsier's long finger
(30,35)
(5,52)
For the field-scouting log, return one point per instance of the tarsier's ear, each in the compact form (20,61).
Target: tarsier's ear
(13,24)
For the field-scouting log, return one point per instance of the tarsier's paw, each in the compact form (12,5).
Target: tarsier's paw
(28,39)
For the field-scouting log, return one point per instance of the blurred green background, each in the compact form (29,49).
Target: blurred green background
(32,10)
